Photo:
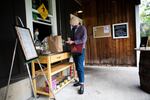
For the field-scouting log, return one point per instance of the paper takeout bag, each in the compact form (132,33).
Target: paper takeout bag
(55,44)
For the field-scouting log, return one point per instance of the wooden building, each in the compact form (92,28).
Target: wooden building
(109,51)
(106,51)
(99,51)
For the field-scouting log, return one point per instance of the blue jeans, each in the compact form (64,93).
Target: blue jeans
(79,63)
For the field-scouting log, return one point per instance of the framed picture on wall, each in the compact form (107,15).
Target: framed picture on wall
(102,31)
(120,30)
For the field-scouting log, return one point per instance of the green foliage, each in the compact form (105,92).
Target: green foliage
(145,17)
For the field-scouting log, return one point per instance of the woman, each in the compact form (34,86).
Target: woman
(79,36)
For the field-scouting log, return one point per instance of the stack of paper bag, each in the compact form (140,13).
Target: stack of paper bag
(55,44)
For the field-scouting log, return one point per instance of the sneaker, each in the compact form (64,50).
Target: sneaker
(76,84)
(75,80)
(81,90)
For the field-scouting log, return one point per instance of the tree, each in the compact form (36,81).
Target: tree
(145,17)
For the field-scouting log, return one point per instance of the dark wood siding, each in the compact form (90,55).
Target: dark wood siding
(109,51)
(11,9)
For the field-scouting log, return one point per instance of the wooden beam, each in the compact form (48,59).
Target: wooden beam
(79,2)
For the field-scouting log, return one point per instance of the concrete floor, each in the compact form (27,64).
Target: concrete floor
(106,83)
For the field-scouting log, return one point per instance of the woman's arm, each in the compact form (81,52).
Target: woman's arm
(83,37)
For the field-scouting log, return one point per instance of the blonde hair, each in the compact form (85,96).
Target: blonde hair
(74,21)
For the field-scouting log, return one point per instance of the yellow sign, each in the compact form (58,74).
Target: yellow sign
(43,11)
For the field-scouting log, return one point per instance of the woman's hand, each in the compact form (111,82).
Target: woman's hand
(70,42)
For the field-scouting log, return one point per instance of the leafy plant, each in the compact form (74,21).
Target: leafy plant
(145,17)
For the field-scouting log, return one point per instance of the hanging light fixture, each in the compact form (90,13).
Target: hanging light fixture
(80,11)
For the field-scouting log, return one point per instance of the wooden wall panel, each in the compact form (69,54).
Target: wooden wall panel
(109,51)
(92,20)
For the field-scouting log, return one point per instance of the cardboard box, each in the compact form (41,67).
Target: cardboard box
(55,44)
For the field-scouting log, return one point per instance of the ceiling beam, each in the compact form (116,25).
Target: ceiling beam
(79,2)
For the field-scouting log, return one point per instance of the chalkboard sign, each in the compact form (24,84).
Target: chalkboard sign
(120,30)
(144,41)
(26,42)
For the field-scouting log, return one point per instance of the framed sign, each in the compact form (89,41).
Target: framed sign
(26,42)
(102,31)
(120,30)
(144,41)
